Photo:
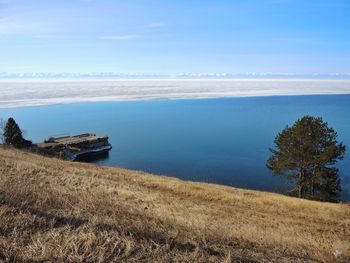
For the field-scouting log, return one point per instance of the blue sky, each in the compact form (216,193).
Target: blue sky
(170,37)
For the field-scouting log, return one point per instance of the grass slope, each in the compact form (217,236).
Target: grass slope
(53,210)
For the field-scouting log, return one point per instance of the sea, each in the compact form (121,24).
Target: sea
(214,140)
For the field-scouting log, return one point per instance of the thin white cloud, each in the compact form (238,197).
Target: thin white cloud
(156,25)
(153,27)
(46,36)
(8,26)
(2,2)
(120,37)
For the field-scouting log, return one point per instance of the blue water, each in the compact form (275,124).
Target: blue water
(223,141)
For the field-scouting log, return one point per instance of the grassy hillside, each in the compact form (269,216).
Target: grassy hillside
(57,210)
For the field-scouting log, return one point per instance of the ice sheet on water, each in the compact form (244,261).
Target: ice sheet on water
(34,92)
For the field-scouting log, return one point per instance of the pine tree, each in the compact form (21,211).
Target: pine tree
(306,154)
(13,134)
(329,188)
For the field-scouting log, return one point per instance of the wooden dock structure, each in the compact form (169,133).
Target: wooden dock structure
(74,147)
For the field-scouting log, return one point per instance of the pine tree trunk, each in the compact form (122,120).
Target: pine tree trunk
(313,181)
(300,188)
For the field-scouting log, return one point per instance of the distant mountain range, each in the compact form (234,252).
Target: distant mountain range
(112,75)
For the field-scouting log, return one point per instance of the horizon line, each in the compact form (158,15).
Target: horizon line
(189,75)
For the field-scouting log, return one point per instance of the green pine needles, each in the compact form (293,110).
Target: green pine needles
(13,135)
(306,154)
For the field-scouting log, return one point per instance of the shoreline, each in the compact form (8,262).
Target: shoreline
(131,115)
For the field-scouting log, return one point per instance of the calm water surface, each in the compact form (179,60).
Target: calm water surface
(211,140)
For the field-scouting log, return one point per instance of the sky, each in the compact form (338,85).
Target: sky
(174,37)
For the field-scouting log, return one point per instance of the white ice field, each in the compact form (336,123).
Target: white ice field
(44,92)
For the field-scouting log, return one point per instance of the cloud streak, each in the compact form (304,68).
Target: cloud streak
(120,37)
(12,26)
(3,2)
(156,25)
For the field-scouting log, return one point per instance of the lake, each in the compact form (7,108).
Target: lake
(221,141)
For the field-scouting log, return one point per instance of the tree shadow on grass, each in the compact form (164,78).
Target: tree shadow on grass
(58,221)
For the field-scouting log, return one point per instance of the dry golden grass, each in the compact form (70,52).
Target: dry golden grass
(53,210)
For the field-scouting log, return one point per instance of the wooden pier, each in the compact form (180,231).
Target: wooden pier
(74,147)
